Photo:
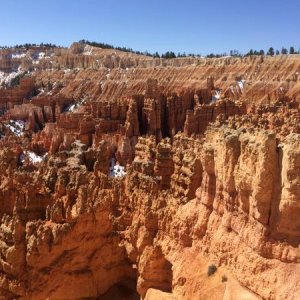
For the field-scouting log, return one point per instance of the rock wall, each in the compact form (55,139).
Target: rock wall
(15,96)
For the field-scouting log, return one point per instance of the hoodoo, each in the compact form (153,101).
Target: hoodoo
(124,176)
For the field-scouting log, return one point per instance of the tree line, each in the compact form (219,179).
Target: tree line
(169,54)
(124,49)
(30,45)
(271,52)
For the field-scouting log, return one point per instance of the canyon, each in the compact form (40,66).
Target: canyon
(127,177)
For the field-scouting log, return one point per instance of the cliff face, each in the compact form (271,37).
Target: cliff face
(121,183)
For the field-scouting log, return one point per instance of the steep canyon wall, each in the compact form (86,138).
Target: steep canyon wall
(129,179)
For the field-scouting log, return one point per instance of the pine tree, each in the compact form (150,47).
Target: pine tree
(292,50)
(169,54)
(251,52)
(271,51)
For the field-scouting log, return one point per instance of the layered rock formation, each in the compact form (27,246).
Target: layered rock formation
(209,153)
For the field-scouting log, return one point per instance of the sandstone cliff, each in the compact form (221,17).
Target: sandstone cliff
(126,177)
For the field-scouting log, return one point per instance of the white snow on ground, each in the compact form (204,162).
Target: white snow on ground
(216,96)
(74,106)
(87,50)
(17,127)
(241,84)
(34,158)
(41,91)
(116,170)
(42,55)
(38,56)
(2,77)
(18,55)
(71,108)
(7,78)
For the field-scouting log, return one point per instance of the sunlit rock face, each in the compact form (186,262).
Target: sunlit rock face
(127,177)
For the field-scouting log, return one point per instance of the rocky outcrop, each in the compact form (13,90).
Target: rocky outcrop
(15,95)
(212,201)
(198,119)
(137,182)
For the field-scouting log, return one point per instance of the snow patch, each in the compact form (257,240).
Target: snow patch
(216,96)
(7,79)
(17,127)
(71,108)
(41,55)
(241,84)
(87,50)
(41,91)
(18,55)
(74,106)
(116,170)
(38,56)
(32,157)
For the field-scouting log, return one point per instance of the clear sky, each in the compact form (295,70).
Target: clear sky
(154,25)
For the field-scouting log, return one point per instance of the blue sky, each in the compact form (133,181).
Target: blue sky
(158,25)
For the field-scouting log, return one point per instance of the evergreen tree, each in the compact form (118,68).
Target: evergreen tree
(292,50)
(169,54)
(271,51)
(284,51)
(251,52)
